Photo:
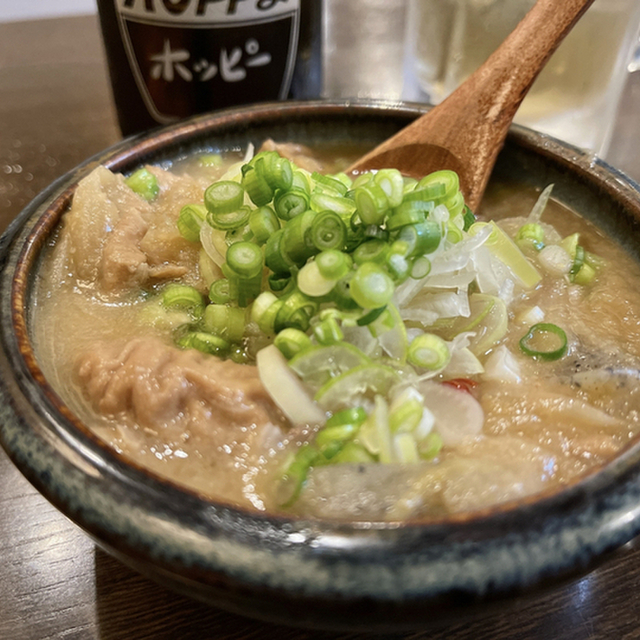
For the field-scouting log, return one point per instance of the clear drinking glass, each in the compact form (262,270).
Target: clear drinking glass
(576,96)
(364,49)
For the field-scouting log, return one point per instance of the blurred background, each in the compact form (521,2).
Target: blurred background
(52,50)
(420,50)
(20,10)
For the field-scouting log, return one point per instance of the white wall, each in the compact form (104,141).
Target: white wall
(32,9)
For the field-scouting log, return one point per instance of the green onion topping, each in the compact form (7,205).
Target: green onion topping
(544,341)
(144,183)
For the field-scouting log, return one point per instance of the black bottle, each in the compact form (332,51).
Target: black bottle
(169,59)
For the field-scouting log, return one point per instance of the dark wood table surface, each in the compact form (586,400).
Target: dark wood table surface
(55,111)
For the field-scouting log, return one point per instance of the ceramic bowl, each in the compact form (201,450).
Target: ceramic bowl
(368,575)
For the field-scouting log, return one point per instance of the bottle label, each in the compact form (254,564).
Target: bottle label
(190,56)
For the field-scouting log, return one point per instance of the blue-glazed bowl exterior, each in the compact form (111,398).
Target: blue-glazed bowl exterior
(308,572)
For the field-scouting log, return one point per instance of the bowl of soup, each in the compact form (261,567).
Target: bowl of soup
(324,399)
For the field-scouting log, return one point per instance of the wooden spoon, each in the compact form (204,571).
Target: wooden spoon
(467,130)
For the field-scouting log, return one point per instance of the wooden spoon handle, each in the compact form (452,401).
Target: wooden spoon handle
(471,124)
(499,86)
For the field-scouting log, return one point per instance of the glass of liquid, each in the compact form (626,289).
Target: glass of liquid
(576,96)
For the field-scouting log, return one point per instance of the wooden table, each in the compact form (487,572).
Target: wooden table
(55,111)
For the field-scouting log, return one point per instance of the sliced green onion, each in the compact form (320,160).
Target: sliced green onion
(371,251)
(335,185)
(370,316)
(230,220)
(292,341)
(259,190)
(289,204)
(405,217)
(445,180)
(275,256)
(578,263)
(269,318)
(454,233)
(210,160)
(353,415)
(364,380)
(263,223)
(374,232)
(328,231)
(337,431)
(338,204)
(219,291)
(371,286)
(362,179)
(433,193)
(352,453)
(405,448)
(455,204)
(530,235)
(380,417)
(344,178)
(243,268)
(420,268)
(406,416)
(275,169)
(409,184)
(312,283)
(330,441)
(242,289)
(391,182)
(429,351)
(397,264)
(190,221)
(245,259)
(204,342)
(144,183)
(585,275)
(333,264)
(239,234)
(223,197)
(328,331)
(544,341)
(570,244)
(295,474)
(181,296)
(430,447)
(401,247)
(411,206)
(238,354)
(297,237)
(279,282)
(224,321)
(372,203)
(262,313)
(422,239)
(301,181)
(468,217)
(296,311)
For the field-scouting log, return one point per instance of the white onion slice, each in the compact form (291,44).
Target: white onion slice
(286,389)
(458,415)
(207,241)
(502,365)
